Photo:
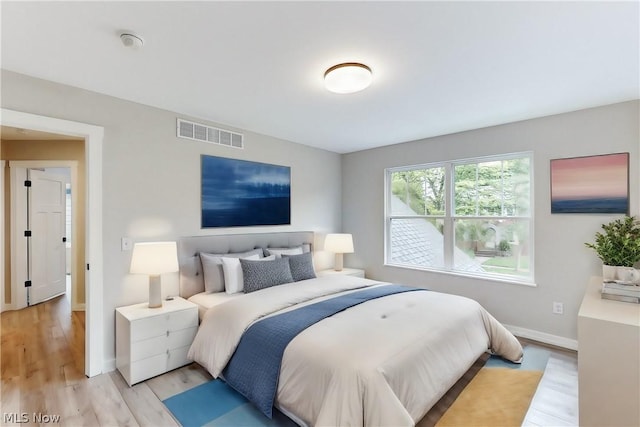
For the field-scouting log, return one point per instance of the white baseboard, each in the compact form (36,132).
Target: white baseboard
(543,337)
(79,307)
(108,365)
(8,307)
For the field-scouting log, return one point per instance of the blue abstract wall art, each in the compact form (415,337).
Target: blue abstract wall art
(238,193)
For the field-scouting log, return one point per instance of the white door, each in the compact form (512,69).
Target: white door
(47,248)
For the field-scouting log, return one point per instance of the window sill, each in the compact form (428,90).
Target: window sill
(487,278)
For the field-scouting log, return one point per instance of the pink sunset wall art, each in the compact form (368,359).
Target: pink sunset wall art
(594,184)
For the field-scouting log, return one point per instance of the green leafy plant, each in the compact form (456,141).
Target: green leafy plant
(619,244)
(504,246)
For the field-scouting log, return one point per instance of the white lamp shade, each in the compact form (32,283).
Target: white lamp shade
(154,258)
(339,243)
(347,78)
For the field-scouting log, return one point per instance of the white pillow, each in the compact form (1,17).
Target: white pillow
(233,278)
(212,268)
(278,252)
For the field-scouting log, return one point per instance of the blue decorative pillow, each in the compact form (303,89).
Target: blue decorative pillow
(264,274)
(301,266)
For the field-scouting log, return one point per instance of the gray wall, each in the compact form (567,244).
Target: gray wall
(151,179)
(152,192)
(563,264)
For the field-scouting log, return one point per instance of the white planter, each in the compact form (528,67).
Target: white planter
(628,274)
(609,272)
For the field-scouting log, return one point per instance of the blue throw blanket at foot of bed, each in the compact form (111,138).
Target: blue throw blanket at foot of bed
(254,368)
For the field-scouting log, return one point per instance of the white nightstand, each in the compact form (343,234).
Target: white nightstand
(152,341)
(345,272)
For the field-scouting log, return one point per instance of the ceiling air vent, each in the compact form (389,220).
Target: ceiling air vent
(204,133)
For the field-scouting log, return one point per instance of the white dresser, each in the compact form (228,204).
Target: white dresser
(608,360)
(152,341)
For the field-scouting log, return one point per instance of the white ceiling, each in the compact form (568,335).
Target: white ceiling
(9,133)
(439,67)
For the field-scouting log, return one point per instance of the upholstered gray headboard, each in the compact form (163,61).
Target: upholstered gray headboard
(189,248)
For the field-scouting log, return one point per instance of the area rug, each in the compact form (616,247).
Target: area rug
(499,394)
(215,404)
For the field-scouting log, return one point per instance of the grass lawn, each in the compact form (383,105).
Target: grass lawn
(500,264)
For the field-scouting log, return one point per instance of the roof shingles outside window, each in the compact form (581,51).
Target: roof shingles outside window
(419,243)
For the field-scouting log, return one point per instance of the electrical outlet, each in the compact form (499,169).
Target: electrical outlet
(125,244)
(558,308)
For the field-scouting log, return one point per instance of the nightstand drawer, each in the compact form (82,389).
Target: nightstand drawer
(160,344)
(178,357)
(147,368)
(154,326)
(149,327)
(183,319)
(148,348)
(181,338)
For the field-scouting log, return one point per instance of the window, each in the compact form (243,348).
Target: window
(470,216)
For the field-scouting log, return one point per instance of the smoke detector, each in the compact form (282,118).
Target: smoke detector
(131,40)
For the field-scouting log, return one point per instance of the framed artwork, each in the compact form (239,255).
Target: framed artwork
(238,193)
(593,184)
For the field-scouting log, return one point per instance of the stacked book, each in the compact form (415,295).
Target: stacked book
(618,290)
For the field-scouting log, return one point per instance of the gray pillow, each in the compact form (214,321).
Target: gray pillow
(264,274)
(301,266)
(212,268)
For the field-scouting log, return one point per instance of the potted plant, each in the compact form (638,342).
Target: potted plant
(618,245)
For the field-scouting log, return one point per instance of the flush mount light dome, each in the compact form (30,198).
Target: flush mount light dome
(347,78)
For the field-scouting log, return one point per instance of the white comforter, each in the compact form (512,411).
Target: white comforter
(383,362)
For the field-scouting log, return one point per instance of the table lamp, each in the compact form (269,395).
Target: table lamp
(340,243)
(154,259)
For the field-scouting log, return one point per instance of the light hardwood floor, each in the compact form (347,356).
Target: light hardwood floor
(42,365)
(556,400)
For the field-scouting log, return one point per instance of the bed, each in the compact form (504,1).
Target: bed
(383,361)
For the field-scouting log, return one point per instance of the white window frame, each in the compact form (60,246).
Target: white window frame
(449,218)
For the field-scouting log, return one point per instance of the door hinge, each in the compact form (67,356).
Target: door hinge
(27,183)
(27,284)
(87,267)
(27,233)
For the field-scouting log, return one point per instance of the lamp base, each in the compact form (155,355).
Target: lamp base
(339,263)
(155,292)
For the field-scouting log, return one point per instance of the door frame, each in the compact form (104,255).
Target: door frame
(93,136)
(3,306)
(18,248)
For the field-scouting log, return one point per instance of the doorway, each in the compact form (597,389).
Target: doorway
(42,236)
(93,254)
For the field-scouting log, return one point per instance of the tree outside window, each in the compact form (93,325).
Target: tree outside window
(489,216)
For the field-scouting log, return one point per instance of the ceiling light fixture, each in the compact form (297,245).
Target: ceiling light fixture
(131,40)
(348,77)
